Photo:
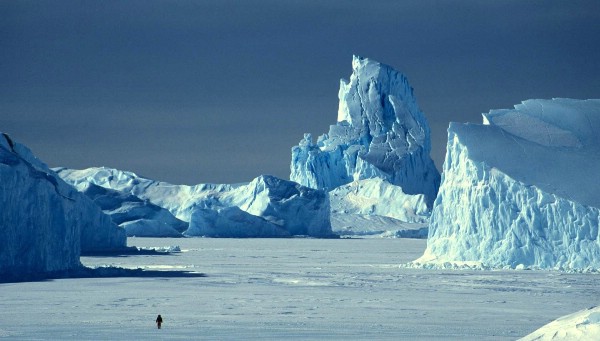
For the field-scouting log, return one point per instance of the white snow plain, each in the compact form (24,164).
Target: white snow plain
(298,289)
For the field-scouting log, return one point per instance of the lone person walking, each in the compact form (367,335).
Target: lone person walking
(158,321)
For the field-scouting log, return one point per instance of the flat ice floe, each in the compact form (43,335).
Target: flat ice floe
(293,289)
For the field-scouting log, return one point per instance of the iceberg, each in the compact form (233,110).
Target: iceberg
(520,190)
(298,209)
(378,197)
(371,225)
(380,133)
(178,199)
(374,207)
(138,217)
(231,221)
(269,206)
(46,224)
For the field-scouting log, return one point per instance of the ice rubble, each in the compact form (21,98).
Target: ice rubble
(46,223)
(265,207)
(380,133)
(521,190)
(582,325)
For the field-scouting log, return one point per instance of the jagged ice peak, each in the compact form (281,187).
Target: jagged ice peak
(380,133)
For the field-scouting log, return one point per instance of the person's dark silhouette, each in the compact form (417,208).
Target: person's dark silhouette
(158,321)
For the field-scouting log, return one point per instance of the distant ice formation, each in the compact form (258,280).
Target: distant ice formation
(46,223)
(265,207)
(138,217)
(231,221)
(380,133)
(521,190)
(378,197)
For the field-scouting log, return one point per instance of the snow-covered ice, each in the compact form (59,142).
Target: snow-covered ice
(370,225)
(380,133)
(265,207)
(297,289)
(521,190)
(231,221)
(296,209)
(379,198)
(138,217)
(582,325)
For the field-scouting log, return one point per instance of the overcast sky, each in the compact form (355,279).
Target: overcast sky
(219,91)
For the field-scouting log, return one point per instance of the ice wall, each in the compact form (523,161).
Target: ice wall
(45,223)
(521,190)
(380,132)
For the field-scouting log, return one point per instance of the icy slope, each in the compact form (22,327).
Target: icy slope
(380,132)
(138,217)
(378,197)
(45,223)
(370,225)
(521,190)
(582,325)
(296,209)
(231,221)
(177,199)
(374,207)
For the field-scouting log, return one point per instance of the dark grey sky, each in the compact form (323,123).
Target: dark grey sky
(219,91)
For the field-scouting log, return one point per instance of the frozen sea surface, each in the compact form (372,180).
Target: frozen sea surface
(301,289)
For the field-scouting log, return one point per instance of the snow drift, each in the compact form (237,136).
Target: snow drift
(46,223)
(521,189)
(265,207)
(582,325)
(380,133)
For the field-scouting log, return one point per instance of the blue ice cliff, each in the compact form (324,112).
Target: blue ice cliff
(380,133)
(521,190)
(45,223)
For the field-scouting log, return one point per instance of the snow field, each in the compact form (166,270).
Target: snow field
(300,289)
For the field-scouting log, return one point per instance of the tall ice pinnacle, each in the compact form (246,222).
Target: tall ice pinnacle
(380,133)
